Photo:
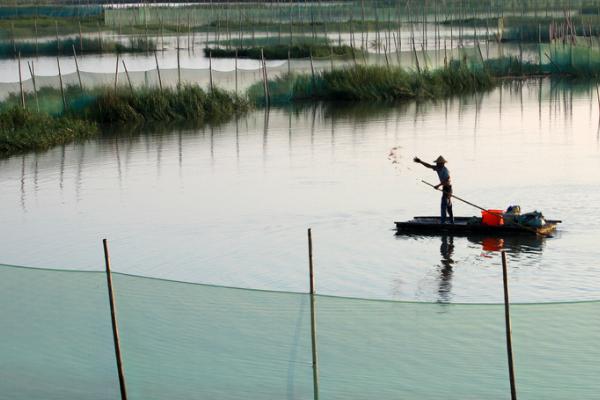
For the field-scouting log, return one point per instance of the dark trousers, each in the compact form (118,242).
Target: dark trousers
(447,204)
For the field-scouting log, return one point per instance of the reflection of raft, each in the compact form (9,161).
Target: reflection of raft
(470,225)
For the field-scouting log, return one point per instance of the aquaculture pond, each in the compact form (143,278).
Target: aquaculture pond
(230,204)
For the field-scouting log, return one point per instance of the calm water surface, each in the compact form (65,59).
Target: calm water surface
(230,205)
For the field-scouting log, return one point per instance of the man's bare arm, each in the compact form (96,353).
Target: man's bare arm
(419,161)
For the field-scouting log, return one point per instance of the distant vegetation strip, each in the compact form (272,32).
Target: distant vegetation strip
(282,52)
(23,130)
(43,26)
(64,47)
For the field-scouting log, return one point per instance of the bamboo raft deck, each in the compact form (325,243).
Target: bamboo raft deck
(466,226)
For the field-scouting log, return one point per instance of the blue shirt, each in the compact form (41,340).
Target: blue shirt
(443,174)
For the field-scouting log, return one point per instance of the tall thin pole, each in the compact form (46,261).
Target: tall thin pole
(21,83)
(77,68)
(178,65)
(116,72)
(62,90)
(511,367)
(210,70)
(127,75)
(113,317)
(158,71)
(313,322)
(265,79)
(32,72)
(236,70)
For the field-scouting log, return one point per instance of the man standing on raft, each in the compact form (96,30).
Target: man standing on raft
(445,183)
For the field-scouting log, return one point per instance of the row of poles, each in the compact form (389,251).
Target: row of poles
(315,13)
(31,68)
(262,68)
(313,322)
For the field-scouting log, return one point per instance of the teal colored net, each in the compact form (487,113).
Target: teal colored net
(184,341)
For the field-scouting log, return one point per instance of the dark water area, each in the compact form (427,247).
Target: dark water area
(229,204)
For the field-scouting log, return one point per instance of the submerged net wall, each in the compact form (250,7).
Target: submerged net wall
(182,341)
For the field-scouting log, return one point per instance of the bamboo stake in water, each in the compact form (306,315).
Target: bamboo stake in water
(331,56)
(178,65)
(416,56)
(312,72)
(313,320)
(62,90)
(127,75)
(117,72)
(32,73)
(210,70)
(265,79)
(77,68)
(21,83)
(511,367)
(236,70)
(158,71)
(113,317)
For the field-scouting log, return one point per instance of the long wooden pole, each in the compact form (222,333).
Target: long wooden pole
(313,321)
(511,367)
(457,198)
(113,317)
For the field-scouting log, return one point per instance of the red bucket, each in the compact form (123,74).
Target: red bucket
(492,217)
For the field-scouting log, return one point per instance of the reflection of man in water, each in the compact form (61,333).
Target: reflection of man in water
(446,250)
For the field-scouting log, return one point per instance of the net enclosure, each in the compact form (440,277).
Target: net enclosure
(183,341)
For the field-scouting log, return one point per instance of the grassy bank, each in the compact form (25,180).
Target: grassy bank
(27,130)
(381,83)
(189,103)
(83,46)
(24,130)
(373,83)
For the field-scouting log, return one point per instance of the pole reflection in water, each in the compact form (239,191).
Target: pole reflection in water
(446,269)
